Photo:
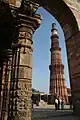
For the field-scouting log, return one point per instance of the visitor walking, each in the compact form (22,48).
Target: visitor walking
(32,105)
(62,104)
(56,104)
(70,104)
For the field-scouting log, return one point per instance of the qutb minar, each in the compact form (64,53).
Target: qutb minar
(57,79)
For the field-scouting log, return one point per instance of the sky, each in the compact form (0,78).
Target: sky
(41,52)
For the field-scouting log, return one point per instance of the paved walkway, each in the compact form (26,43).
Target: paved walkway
(50,114)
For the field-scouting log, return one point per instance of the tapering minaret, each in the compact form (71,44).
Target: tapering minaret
(57,80)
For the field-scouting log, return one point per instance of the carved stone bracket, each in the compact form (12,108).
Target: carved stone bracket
(29,8)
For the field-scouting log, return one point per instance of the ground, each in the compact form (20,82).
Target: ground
(48,113)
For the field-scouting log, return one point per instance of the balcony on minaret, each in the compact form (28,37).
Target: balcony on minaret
(51,67)
(55,48)
(54,37)
(54,31)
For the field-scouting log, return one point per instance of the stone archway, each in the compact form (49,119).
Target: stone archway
(69,23)
(70,27)
(68,17)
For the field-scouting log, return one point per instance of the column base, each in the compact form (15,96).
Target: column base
(76,102)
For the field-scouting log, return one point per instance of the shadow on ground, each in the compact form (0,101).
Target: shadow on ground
(50,114)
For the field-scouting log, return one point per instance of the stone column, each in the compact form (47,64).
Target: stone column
(3,82)
(6,84)
(21,105)
(1,73)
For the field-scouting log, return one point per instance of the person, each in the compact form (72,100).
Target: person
(62,104)
(70,102)
(32,106)
(56,104)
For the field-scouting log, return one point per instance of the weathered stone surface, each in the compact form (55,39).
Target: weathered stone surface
(22,84)
(73,52)
(74,6)
(6,84)
(74,3)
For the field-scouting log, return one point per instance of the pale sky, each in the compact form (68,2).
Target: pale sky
(41,52)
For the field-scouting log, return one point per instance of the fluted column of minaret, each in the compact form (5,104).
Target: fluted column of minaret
(57,80)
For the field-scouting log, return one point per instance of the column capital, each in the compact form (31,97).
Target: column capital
(28,21)
(28,7)
(26,15)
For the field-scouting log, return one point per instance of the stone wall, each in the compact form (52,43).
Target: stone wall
(73,50)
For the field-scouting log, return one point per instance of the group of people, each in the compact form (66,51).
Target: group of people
(59,104)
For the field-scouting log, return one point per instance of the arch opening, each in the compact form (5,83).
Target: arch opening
(71,32)
(45,31)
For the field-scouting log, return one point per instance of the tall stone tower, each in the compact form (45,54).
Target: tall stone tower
(57,80)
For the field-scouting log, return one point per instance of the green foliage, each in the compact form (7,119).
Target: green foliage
(35,91)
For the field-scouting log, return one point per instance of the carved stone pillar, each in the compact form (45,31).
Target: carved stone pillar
(21,105)
(3,83)
(1,72)
(6,84)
